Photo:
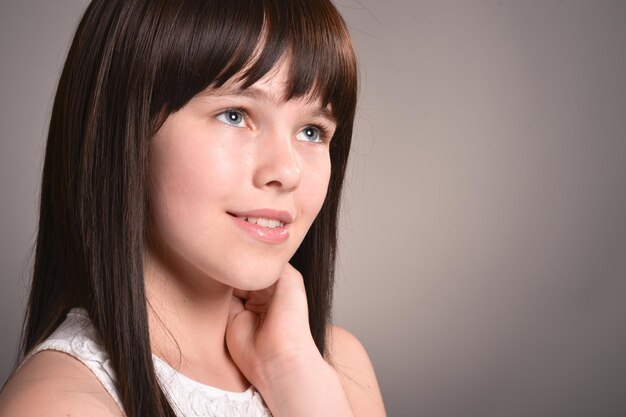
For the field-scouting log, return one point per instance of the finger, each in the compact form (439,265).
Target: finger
(236,307)
(289,295)
(240,333)
(241,294)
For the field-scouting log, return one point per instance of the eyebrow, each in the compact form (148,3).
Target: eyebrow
(267,96)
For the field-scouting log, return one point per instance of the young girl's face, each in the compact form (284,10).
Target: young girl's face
(237,178)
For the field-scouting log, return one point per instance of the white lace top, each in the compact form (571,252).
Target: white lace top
(77,337)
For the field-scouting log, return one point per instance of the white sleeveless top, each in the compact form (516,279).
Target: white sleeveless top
(77,337)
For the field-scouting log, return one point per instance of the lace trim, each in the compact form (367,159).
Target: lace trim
(193,399)
(77,337)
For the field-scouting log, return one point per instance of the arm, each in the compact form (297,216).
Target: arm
(355,370)
(54,384)
(269,339)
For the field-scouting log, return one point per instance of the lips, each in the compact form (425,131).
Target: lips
(266,225)
(269,223)
(264,217)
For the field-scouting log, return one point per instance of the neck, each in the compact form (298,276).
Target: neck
(187,317)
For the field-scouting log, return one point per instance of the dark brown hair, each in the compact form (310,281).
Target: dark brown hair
(131,63)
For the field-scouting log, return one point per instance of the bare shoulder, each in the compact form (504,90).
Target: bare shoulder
(55,384)
(353,365)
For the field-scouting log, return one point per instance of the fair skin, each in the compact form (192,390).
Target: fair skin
(229,312)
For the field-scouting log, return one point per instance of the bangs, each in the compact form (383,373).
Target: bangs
(210,43)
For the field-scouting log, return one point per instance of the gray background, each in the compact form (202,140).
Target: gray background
(483,240)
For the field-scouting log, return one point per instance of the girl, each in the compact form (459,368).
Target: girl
(187,232)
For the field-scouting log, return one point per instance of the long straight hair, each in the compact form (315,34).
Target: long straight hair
(132,63)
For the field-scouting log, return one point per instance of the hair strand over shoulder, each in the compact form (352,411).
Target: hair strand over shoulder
(132,63)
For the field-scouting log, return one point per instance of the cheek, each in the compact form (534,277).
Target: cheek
(189,185)
(314,186)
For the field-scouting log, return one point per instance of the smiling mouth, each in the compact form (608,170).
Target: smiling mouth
(266,225)
(260,221)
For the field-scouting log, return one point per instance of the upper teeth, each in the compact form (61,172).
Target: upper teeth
(269,223)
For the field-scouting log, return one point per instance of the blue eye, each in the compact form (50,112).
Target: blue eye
(232,117)
(310,134)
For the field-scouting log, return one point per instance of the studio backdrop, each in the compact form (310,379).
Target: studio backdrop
(483,237)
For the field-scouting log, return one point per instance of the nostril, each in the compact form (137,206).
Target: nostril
(274,184)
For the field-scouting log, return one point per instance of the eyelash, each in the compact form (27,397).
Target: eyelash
(242,112)
(324,132)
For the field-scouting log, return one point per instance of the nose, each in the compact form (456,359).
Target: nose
(278,164)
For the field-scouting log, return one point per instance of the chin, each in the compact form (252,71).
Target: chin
(246,276)
(257,279)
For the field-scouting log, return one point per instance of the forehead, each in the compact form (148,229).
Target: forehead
(272,88)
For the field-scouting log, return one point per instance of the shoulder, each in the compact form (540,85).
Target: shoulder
(353,365)
(54,384)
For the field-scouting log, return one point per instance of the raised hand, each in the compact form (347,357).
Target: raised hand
(268,330)
(269,339)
